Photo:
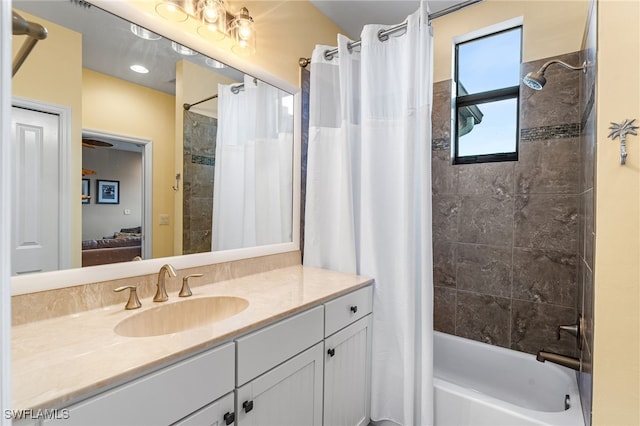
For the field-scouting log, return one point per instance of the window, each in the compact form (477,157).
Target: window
(487,76)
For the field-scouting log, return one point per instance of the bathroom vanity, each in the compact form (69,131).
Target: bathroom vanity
(299,353)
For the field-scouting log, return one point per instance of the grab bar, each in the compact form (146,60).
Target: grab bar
(33,31)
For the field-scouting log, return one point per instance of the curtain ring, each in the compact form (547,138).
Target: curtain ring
(328,55)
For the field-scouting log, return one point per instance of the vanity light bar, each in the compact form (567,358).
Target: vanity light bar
(215,21)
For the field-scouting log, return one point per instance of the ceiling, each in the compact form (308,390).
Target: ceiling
(352,15)
(112,55)
(108,45)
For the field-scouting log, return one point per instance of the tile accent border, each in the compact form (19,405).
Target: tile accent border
(204,160)
(440,144)
(562,131)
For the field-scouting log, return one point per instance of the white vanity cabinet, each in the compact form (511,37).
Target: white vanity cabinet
(279,373)
(165,396)
(347,359)
(311,368)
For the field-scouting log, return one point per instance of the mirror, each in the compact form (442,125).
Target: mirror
(191,156)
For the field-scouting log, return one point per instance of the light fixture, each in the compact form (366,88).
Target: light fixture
(172,10)
(139,69)
(144,33)
(212,16)
(183,50)
(213,63)
(214,21)
(244,34)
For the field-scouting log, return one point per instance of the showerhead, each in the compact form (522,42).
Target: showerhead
(536,80)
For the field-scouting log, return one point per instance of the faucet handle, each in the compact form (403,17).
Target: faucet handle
(185,291)
(573,329)
(133,302)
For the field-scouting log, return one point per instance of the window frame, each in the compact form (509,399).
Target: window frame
(510,92)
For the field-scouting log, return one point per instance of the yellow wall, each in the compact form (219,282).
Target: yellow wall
(550,28)
(47,78)
(117,106)
(616,369)
(288,30)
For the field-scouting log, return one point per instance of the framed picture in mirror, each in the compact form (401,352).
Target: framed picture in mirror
(108,191)
(86,191)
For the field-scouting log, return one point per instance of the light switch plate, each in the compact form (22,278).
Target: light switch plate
(164,219)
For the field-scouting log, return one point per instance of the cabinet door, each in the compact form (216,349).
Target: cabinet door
(219,413)
(288,395)
(347,372)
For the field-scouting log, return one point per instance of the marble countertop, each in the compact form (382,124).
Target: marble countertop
(57,361)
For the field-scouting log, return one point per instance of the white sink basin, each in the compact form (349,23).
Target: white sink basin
(180,316)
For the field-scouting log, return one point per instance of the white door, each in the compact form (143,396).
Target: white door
(36,188)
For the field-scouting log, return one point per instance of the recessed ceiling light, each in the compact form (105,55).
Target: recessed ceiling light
(144,33)
(139,69)
(213,63)
(182,49)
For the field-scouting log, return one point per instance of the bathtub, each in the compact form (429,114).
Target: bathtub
(477,384)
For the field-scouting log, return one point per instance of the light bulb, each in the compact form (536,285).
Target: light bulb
(244,31)
(211,14)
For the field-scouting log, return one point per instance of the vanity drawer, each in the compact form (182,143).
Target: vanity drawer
(346,309)
(266,348)
(162,397)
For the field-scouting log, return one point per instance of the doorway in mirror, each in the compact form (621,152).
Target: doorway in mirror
(116,231)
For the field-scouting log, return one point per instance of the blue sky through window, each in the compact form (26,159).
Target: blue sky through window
(496,133)
(483,65)
(490,63)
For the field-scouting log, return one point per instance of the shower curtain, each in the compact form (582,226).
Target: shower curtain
(368,207)
(252,184)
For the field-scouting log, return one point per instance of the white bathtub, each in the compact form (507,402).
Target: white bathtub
(477,384)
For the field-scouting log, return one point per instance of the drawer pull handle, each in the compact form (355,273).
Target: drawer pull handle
(331,352)
(354,309)
(248,406)
(229,418)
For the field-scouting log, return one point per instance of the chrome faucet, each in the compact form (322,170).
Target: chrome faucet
(161,293)
(563,360)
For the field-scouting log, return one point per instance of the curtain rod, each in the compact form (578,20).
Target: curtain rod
(383,35)
(234,89)
(33,31)
(188,106)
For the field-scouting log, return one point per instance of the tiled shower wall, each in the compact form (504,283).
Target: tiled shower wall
(587,218)
(505,235)
(198,168)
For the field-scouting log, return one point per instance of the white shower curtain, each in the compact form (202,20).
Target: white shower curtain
(369,200)
(252,187)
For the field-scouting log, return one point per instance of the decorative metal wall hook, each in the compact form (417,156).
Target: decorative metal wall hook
(621,130)
(177,187)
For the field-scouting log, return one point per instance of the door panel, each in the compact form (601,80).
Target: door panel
(35,221)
